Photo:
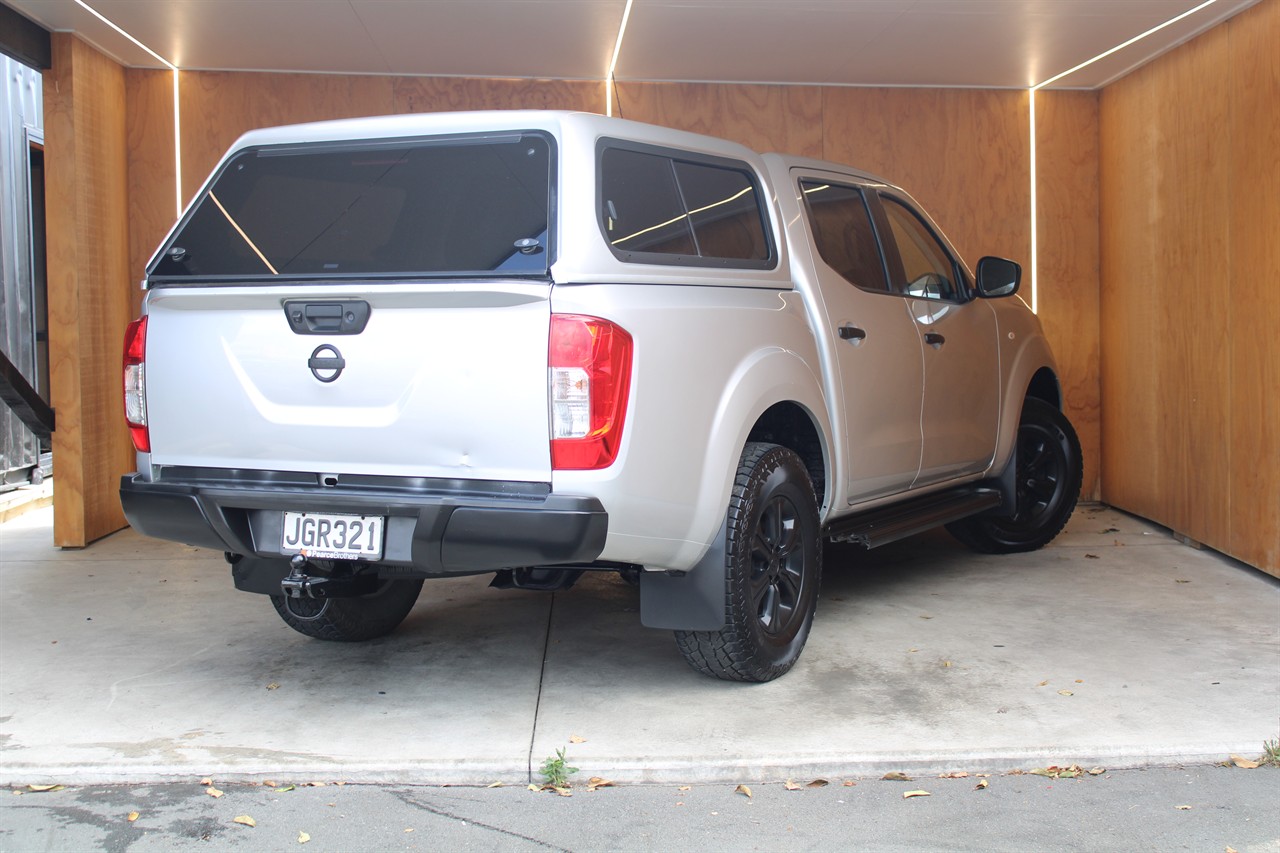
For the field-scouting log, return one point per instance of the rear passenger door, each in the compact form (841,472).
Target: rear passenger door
(961,409)
(876,347)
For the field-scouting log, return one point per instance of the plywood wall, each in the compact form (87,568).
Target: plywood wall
(88,267)
(1190,220)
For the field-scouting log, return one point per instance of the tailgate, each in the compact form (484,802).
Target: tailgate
(443,381)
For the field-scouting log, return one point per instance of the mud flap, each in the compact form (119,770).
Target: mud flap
(692,601)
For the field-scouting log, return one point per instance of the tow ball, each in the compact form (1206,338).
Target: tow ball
(299,584)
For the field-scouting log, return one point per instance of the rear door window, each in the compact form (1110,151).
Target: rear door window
(843,233)
(666,207)
(428,207)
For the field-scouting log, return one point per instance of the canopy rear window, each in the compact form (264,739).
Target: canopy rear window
(457,206)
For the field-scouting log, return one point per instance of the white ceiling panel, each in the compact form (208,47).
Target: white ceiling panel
(983,43)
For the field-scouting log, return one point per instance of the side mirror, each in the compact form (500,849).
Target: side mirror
(998,277)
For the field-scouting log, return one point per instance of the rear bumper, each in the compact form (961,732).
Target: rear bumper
(435,527)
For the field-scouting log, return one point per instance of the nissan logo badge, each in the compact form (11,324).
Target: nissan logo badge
(326,363)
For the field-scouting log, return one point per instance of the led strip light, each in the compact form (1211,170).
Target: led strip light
(1031,108)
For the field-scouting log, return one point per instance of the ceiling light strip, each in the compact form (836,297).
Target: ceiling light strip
(613,62)
(1123,45)
(177,137)
(1035,264)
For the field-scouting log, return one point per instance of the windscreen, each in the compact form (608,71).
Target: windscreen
(460,206)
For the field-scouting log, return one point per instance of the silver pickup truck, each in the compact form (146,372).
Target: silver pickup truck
(537,344)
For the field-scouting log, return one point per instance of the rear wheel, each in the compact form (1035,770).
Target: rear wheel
(349,620)
(1048,485)
(773,565)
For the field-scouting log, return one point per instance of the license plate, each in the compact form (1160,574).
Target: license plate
(332,537)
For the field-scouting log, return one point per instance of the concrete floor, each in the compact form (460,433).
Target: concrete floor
(135,660)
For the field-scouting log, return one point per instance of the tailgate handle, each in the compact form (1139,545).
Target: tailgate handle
(330,317)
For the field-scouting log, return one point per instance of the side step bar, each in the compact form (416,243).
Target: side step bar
(877,527)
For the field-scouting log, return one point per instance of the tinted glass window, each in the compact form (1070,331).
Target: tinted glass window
(643,211)
(928,270)
(843,233)
(432,208)
(724,211)
(663,206)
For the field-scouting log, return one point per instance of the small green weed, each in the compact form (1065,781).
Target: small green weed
(1270,753)
(557,770)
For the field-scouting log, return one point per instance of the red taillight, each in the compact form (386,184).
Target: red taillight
(589,378)
(135,384)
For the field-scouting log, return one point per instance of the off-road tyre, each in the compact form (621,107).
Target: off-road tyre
(350,620)
(1048,486)
(773,566)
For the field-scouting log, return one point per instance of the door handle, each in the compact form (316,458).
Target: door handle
(934,339)
(852,333)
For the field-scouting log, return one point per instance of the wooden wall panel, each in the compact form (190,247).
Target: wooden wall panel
(152,199)
(88,249)
(1067,200)
(1189,378)
(218,106)
(787,119)
(962,153)
(447,94)
(1254,375)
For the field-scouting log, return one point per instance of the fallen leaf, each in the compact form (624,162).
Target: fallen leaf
(849,783)
(792,786)
(273,686)
(1092,557)
(410,829)
(577,739)
(1065,693)
(1111,530)
(926,617)
(268,783)
(959,774)
(946,663)
(1042,684)
(206,781)
(213,792)
(1180,580)
(744,790)
(1231,850)
(895,776)
(316,784)
(1183,808)
(132,816)
(685,788)
(285,789)
(912,651)
(906,795)
(49,789)
(245,820)
(535,787)
(982,783)
(303,838)
(817,783)
(1097,771)
(598,782)
(1044,771)
(1243,763)
(1079,681)
(494,785)
(564,792)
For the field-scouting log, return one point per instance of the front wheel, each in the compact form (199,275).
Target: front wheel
(1048,471)
(773,564)
(349,620)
